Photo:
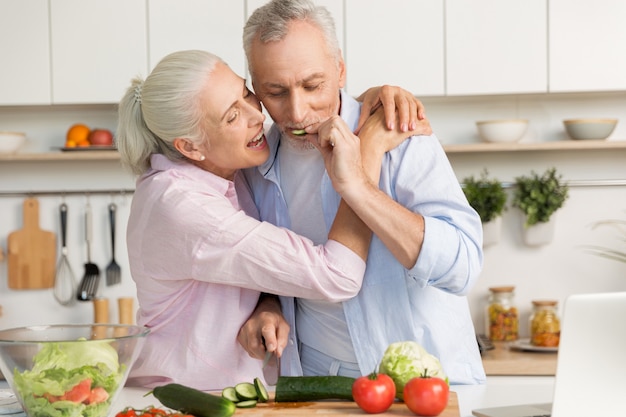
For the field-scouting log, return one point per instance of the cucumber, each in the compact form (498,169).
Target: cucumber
(193,401)
(261,390)
(246,404)
(246,391)
(298,132)
(312,388)
(230,394)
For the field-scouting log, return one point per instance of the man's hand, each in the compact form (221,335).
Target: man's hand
(410,110)
(266,329)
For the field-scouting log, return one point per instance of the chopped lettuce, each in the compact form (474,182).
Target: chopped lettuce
(405,360)
(59,368)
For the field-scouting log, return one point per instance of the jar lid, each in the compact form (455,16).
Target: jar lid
(502,289)
(544,303)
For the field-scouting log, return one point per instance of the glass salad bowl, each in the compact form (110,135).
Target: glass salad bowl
(69,370)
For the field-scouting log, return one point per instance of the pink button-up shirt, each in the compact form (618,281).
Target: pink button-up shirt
(200,262)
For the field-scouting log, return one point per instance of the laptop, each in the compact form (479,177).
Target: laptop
(591,363)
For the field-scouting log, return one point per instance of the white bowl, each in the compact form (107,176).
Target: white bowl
(586,129)
(510,130)
(11,142)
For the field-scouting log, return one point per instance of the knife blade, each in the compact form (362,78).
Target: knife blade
(268,356)
(271,368)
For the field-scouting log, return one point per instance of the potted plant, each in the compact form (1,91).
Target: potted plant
(539,197)
(488,197)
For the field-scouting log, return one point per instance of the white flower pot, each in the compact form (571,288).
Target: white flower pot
(491,232)
(541,233)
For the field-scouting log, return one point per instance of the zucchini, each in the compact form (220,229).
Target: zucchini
(313,388)
(193,401)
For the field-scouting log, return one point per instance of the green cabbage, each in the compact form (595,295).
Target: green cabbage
(405,360)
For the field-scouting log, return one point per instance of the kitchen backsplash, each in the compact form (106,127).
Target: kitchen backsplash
(553,271)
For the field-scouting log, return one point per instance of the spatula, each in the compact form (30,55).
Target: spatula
(90,283)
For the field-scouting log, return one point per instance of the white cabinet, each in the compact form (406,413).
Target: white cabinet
(97,47)
(212,25)
(398,42)
(25,52)
(587,45)
(496,46)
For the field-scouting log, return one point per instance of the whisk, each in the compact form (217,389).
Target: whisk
(65,280)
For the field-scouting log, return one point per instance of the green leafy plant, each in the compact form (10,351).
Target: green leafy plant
(606,252)
(539,196)
(487,196)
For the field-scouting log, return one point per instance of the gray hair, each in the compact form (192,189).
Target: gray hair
(162,108)
(270,23)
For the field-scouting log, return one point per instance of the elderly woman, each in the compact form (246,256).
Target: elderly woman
(198,255)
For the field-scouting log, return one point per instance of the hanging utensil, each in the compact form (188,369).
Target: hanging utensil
(65,280)
(113,271)
(91,280)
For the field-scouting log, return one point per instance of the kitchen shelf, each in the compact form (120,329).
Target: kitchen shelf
(95,155)
(564,145)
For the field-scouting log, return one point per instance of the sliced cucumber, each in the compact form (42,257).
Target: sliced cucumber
(246,404)
(261,390)
(313,388)
(298,132)
(246,391)
(230,394)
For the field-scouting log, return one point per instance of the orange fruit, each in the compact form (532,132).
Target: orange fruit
(77,134)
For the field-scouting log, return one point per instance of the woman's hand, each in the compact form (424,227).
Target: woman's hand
(402,109)
(377,138)
(265,330)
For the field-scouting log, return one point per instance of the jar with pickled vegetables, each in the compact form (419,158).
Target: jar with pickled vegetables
(545,326)
(502,315)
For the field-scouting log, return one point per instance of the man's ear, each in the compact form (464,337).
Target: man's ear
(342,71)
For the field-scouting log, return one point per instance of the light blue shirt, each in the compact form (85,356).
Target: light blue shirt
(426,303)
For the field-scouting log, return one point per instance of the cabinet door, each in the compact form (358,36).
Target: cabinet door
(211,25)
(587,45)
(399,42)
(97,47)
(25,52)
(496,46)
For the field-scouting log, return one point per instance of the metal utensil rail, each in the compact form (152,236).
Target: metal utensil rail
(62,193)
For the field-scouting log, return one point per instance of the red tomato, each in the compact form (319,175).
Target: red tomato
(426,396)
(79,393)
(374,393)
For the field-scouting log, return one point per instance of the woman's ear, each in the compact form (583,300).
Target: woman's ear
(188,149)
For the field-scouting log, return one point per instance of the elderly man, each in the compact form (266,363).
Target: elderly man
(426,253)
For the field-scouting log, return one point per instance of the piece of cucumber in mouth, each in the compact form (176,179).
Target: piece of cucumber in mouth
(298,132)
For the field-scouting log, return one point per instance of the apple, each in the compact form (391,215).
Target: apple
(101,137)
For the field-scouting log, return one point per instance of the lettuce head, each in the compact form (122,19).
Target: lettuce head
(405,360)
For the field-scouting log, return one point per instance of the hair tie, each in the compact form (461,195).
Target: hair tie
(138,93)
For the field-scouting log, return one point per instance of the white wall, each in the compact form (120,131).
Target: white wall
(552,271)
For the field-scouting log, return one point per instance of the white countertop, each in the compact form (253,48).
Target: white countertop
(499,391)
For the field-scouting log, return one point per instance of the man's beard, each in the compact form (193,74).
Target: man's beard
(298,144)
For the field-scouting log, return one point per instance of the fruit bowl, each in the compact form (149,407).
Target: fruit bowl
(498,131)
(11,142)
(75,370)
(589,129)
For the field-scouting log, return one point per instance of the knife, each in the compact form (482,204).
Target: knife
(271,367)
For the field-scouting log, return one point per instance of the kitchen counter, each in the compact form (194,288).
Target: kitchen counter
(506,361)
(503,391)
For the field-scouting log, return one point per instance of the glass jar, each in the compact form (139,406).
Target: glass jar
(545,326)
(502,314)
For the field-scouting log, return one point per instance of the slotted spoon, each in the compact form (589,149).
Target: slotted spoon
(65,280)
(113,271)
(91,280)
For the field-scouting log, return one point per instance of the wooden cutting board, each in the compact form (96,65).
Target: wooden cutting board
(31,253)
(335,408)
